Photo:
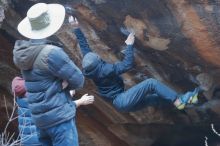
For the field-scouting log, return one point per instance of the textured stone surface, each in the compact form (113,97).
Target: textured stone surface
(2,15)
(2,11)
(177,42)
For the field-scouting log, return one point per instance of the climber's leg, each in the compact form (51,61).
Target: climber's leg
(136,95)
(187,98)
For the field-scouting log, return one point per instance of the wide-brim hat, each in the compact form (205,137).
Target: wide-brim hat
(42,21)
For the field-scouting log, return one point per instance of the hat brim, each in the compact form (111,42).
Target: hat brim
(56,13)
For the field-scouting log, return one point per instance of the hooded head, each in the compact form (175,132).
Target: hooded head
(90,61)
(18,87)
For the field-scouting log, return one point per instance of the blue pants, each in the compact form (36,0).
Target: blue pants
(64,134)
(31,139)
(136,97)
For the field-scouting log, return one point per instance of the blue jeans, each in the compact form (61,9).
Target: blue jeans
(31,139)
(135,98)
(64,134)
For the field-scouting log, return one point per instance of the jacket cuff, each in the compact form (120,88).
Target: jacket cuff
(74,104)
(130,45)
(76,30)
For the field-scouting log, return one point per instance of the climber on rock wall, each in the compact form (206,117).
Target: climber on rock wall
(49,75)
(106,77)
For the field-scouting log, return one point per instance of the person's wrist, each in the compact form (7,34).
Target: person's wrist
(80,101)
(75,30)
(129,44)
(75,27)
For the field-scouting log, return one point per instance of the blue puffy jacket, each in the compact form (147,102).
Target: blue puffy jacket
(27,129)
(106,76)
(44,67)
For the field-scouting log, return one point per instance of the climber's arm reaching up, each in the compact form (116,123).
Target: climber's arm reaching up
(84,46)
(128,61)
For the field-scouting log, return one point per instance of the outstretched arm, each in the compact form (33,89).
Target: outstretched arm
(127,62)
(84,46)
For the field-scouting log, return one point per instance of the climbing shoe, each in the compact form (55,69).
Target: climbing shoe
(188,98)
(181,106)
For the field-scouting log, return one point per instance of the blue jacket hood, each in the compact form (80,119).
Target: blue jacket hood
(94,72)
(25,53)
(90,61)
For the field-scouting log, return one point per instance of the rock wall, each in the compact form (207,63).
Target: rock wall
(176,43)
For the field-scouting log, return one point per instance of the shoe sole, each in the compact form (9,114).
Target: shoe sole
(193,99)
(181,106)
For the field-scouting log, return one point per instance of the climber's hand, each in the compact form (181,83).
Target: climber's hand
(130,39)
(86,99)
(73,22)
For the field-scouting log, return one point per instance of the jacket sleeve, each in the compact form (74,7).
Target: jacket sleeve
(61,66)
(126,63)
(84,46)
